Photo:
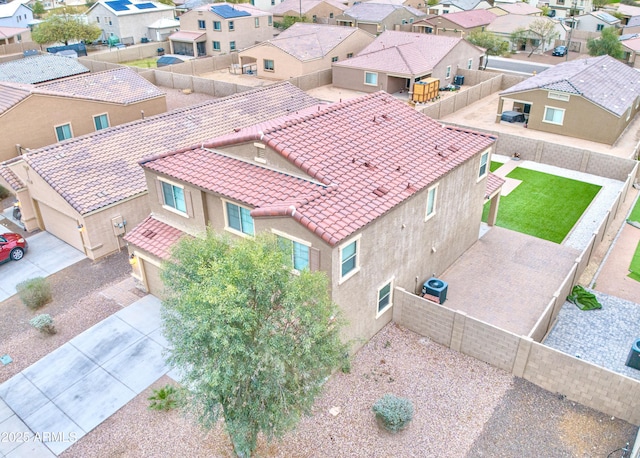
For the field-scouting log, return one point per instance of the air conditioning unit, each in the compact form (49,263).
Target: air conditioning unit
(436,287)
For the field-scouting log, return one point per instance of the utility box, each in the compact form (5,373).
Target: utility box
(633,360)
(426,90)
(436,287)
(458,80)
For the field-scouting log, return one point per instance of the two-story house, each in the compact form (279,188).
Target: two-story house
(128,20)
(455,6)
(15,14)
(221,28)
(375,18)
(459,24)
(320,11)
(369,191)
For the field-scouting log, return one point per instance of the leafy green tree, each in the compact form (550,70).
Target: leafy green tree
(169,2)
(493,45)
(254,340)
(545,10)
(38,9)
(545,31)
(288,21)
(608,43)
(519,37)
(597,4)
(62,29)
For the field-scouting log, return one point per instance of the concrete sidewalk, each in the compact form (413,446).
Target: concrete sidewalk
(53,403)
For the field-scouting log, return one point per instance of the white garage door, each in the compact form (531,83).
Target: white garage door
(60,225)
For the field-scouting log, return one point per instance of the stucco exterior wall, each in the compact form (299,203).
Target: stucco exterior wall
(320,11)
(32,122)
(21,18)
(582,119)
(125,26)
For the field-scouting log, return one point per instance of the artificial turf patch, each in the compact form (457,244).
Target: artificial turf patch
(495,166)
(635,264)
(635,213)
(543,205)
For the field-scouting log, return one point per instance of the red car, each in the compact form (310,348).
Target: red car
(12,247)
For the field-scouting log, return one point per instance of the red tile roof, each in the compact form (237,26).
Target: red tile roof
(10,178)
(494,182)
(374,152)
(154,237)
(99,169)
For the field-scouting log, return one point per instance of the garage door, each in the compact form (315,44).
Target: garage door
(60,225)
(154,282)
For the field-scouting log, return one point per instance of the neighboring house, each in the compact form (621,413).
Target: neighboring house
(94,183)
(417,4)
(396,60)
(221,28)
(594,21)
(375,18)
(594,99)
(455,6)
(456,24)
(562,8)
(303,49)
(631,49)
(321,11)
(162,28)
(505,26)
(128,20)
(630,18)
(35,116)
(632,26)
(522,8)
(370,191)
(39,69)
(10,35)
(15,14)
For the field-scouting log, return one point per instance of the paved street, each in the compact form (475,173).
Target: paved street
(517,66)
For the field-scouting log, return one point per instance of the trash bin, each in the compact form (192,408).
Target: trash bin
(144,40)
(161,51)
(633,360)
(458,80)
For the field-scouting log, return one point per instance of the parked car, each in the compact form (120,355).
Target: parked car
(512,116)
(559,51)
(12,247)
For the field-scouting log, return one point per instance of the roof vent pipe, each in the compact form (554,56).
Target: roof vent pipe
(142,113)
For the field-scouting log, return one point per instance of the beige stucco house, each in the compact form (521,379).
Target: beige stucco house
(455,6)
(319,11)
(303,49)
(594,99)
(459,24)
(32,116)
(395,61)
(90,191)
(504,26)
(369,191)
(376,18)
(11,35)
(221,28)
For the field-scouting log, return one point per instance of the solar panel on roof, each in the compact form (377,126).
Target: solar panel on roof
(228,12)
(117,6)
(144,6)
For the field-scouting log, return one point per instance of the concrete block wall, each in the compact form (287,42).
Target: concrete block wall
(540,329)
(489,344)
(313,80)
(423,317)
(19,48)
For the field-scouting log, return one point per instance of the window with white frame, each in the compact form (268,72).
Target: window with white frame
(470,64)
(173,196)
(101,121)
(350,55)
(98,19)
(269,66)
(448,72)
(239,219)
(334,59)
(553,115)
(232,26)
(63,132)
(270,21)
(599,27)
(432,197)
(217,26)
(371,78)
(484,169)
(202,24)
(232,45)
(558,96)
(257,21)
(385,297)
(216,46)
(299,252)
(349,262)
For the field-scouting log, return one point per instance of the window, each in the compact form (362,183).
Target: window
(216,46)
(270,20)
(173,196)
(385,296)
(470,64)
(349,55)
(201,24)
(239,219)
(232,27)
(101,121)
(404,21)
(599,27)
(484,158)
(370,78)
(558,96)
(432,194)
(106,20)
(257,21)
(268,65)
(217,26)
(330,15)
(299,252)
(19,37)
(334,59)
(448,73)
(232,46)
(110,21)
(553,115)
(410,20)
(273,2)
(98,19)
(314,18)
(349,259)
(63,132)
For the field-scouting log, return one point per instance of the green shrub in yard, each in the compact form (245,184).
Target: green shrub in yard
(163,398)
(393,412)
(43,323)
(34,292)
(4,193)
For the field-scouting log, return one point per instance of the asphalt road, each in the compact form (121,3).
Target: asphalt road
(517,66)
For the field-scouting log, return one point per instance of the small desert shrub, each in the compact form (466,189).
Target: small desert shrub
(35,292)
(43,323)
(163,398)
(4,193)
(393,412)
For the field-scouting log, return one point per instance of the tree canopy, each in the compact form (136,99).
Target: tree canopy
(61,29)
(608,43)
(544,30)
(38,9)
(597,4)
(288,21)
(493,45)
(254,340)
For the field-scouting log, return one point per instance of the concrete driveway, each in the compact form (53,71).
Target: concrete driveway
(45,256)
(50,405)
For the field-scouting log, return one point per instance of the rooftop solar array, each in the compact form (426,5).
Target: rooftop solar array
(144,6)
(117,6)
(228,12)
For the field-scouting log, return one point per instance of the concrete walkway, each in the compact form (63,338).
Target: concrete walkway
(48,406)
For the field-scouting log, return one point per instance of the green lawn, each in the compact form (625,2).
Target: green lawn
(495,166)
(635,264)
(544,206)
(149,62)
(635,213)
